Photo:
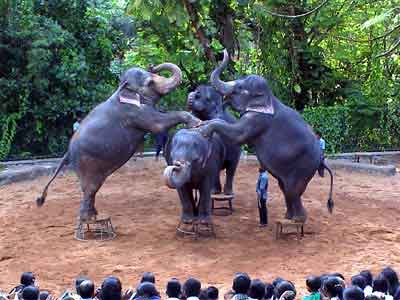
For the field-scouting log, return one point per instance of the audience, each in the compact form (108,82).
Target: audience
(191,289)
(329,286)
(174,289)
(313,284)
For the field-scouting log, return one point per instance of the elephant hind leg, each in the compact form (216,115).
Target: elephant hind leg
(90,184)
(230,173)
(289,210)
(293,193)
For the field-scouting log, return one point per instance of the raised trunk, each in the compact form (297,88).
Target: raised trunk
(166,85)
(225,88)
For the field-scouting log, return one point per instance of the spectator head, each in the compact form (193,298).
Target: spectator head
(148,277)
(203,294)
(380,284)
(27,278)
(78,282)
(353,293)
(44,295)
(392,279)
(257,289)
(318,134)
(277,280)
(367,276)
(86,289)
(313,284)
(359,281)
(269,291)
(337,274)
(111,289)
(173,288)
(147,290)
(284,286)
(241,283)
(192,288)
(212,293)
(333,287)
(30,293)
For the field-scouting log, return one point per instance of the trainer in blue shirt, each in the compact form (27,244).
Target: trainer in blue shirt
(262,196)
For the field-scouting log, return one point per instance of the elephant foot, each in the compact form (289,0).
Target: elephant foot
(187,220)
(88,215)
(289,215)
(215,192)
(228,191)
(300,217)
(206,227)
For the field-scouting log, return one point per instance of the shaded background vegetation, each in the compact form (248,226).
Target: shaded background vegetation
(337,63)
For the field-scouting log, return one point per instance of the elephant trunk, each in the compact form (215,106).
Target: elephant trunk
(165,85)
(225,88)
(177,175)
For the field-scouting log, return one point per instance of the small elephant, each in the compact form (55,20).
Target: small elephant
(206,104)
(112,132)
(193,164)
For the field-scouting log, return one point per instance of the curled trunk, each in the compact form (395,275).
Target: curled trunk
(165,85)
(224,88)
(175,177)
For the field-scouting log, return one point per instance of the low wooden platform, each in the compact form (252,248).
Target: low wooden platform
(287,224)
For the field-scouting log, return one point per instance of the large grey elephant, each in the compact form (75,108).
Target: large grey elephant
(194,163)
(284,143)
(206,104)
(113,130)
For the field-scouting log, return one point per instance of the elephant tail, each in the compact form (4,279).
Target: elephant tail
(330,203)
(40,200)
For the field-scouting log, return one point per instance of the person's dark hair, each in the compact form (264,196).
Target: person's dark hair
(203,294)
(367,276)
(78,282)
(86,289)
(269,291)
(284,286)
(148,277)
(277,280)
(192,288)
(337,274)
(27,278)
(392,278)
(353,293)
(257,289)
(44,295)
(313,283)
(359,281)
(173,288)
(30,293)
(111,289)
(380,284)
(241,283)
(333,287)
(147,290)
(212,293)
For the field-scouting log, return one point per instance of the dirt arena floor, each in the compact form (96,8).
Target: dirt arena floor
(363,232)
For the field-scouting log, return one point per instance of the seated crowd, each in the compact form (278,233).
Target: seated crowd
(363,286)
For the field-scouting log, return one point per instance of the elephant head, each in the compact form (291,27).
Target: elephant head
(147,86)
(247,93)
(188,155)
(205,102)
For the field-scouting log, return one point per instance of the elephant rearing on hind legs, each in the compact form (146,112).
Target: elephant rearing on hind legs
(113,130)
(284,143)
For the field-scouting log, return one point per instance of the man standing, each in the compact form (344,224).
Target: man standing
(262,195)
(161,140)
(75,126)
(322,148)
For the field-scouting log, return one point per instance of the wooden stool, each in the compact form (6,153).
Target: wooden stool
(222,210)
(98,228)
(281,224)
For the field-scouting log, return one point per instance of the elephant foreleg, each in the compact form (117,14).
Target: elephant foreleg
(230,173)
(186,197)
(205,202)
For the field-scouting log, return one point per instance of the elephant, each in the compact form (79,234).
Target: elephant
(112,132)
(194,163)
(284,144)
(205,103)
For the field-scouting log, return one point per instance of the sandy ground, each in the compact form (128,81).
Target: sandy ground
(363,232)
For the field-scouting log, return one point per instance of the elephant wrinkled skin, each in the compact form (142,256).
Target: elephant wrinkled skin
(285,145)
(112,131)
